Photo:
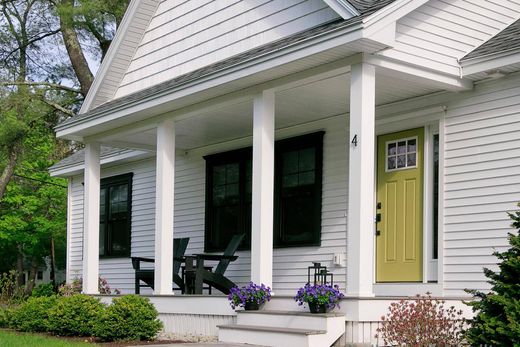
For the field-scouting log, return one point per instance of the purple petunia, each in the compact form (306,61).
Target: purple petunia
(321,294)
(251,293)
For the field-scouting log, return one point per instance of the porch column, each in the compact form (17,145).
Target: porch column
(360,240)
(91,219)
(263,189)
(164,195)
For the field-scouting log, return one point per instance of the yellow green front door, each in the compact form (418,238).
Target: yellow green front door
(399,206)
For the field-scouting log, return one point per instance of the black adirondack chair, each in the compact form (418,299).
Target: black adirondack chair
(197,276)
(147,275)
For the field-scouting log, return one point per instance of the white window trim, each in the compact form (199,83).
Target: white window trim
(406,139)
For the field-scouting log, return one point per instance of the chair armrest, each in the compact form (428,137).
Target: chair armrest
(136,262)
(206,256)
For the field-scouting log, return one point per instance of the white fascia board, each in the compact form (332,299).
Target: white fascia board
(490,62)
(441,79)
(343,8)
(77,168)
(311,46)
(113,49)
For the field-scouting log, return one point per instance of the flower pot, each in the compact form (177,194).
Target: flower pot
(317,308)
(253,306)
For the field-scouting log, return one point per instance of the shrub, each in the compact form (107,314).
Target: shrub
(32,315)
(130,317)
(46,289)
(10,293)
(4,317)
(75,315)
(421,321)
(76,285)
(497,320)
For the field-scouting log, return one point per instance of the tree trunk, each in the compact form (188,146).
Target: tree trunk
(8,171)
(53,263)
(19,267)
(32,277)
(74,50)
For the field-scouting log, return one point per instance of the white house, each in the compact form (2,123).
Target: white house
(379,138)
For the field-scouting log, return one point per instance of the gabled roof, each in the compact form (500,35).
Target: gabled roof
(506,40)
(364,7)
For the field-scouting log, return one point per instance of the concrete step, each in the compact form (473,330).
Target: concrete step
(269,336)
(284,328)
(289,319)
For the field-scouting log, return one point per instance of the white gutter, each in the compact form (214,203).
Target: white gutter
(490,61)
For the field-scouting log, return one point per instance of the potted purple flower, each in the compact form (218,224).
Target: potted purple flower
(320,297)
(250,297)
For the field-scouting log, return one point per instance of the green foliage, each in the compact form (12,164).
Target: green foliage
(32,315)
(75,315)
(130,317)
(45,289)
(5,316)
(497,320)
(10,294)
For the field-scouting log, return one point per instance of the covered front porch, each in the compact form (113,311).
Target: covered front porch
(339,99)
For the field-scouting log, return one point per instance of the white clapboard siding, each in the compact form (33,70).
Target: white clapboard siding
(440,32)
(482,180)
(290,264)
(186,35)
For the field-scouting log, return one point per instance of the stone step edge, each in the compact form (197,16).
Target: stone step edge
(272,329)
(293,313)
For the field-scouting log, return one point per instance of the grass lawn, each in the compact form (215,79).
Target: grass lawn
(12,339)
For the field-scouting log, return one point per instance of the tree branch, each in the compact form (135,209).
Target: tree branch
(58,107)
(43,84)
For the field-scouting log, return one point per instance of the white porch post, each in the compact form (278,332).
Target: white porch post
(164,195)
(263,189)
(91,219)
(360,240)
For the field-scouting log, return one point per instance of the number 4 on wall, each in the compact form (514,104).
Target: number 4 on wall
(354,140)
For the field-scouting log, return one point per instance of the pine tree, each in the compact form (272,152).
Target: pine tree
(497,320)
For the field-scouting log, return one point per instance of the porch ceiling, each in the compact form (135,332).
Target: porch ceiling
(304,103)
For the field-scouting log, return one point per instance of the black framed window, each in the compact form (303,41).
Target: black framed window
(298,180)
(228,198)
(298,177)
(115,216)
(435,243)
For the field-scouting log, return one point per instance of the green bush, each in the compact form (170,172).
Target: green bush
(4,317)
(32,315)
(130,317)
(497,320)
(75,315)
(43,290)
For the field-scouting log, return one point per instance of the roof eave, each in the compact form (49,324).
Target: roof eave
(490,61)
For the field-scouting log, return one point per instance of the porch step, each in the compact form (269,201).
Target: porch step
(284,328)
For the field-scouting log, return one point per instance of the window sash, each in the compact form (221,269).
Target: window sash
(114,218)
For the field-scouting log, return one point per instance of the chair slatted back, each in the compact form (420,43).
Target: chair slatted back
(179,248)
(230,250)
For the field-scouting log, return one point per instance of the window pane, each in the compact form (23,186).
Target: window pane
(297,219)
(232,193)
(102,236)
(219,175)
(120,238)
(249,180)
(232,173)
(290,162)
(401,161)
(412,145)
(391,163)
(411,159)
(225,222)
(391,149)
(306,178)
(219,195)
(307,159)
(102,205)
(290,181)
(401,147)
